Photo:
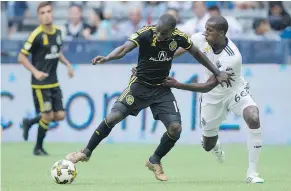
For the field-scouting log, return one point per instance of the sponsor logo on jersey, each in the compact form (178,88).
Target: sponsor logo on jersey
(54,53)
(162,56)
(27,46)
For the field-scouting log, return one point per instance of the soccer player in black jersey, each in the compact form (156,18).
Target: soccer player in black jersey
(157,45)
(44,44)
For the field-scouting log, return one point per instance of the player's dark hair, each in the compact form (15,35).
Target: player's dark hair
(43,4)
(220,22)
(214,8)
(168,20)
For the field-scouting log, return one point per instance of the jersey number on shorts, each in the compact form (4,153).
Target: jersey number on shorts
(243,93)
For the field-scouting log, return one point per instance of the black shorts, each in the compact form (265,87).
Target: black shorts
(47,100)
(138,96)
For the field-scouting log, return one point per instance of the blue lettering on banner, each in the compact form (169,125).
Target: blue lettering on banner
(90,101)
(6,124)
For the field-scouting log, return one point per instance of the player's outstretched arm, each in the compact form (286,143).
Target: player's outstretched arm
(194,87)
(117,53)
(179,52)
(201,58)
(22,59)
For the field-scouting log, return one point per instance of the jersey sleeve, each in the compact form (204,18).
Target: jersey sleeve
(31,43)
(184,42)
(139,36)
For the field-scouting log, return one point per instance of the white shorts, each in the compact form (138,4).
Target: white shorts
(213,113)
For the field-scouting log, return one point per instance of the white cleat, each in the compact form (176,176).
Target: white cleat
(254,179)
(220,155)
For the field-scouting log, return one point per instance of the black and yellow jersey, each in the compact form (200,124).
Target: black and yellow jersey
(155,57)
(44,48)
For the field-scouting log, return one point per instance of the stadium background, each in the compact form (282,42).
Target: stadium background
(260,34)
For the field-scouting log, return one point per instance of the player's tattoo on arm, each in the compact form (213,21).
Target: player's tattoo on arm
(121,51)
(179,52)
(201,58)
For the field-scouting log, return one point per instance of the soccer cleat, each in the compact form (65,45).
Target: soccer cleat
(25,127)
(39,152)
(157,170)
(254,179)
(77,157)
(220,155)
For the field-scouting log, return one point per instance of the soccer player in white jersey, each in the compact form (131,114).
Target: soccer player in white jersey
(216,103)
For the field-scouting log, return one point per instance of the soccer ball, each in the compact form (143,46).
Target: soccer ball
(63,172)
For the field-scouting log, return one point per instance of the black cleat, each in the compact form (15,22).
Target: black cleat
(39,152)
(25,127)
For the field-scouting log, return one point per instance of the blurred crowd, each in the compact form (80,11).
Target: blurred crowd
(117,20)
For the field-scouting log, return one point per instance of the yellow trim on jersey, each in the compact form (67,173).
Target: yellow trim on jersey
(25,51)
(146,28)
(125,92)
(34,34)
(40,99)
(189,46)
(49,32)
(134,41)
(46,86)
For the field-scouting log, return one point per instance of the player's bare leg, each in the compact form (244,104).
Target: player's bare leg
(168,141)
(251,116)
(46,118)
(102,131)
(213,144)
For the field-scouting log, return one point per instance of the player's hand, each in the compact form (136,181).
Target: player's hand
(70,72)
(171,82)
(99,60)
(225,77)
(39,75)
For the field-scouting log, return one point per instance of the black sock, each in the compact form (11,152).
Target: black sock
(34,120)
(100,133)
(42,129)
(166,144)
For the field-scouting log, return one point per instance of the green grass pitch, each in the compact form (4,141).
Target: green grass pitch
(120,167)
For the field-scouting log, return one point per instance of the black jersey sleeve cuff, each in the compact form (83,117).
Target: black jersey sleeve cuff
(134,41)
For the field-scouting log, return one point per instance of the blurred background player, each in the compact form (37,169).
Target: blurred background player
(44,44)
(216,103)
(158,44)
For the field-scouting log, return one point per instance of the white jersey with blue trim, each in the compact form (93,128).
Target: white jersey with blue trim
(229,60)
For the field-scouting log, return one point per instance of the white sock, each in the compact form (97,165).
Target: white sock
(217,151)
(254,148)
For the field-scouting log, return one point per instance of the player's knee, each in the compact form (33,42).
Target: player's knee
(59,116)
(114,117)
(252,118)
(174,130)
(48,116)
(254,121)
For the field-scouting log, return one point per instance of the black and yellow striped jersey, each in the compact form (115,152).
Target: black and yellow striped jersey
(44,48)
(155,57)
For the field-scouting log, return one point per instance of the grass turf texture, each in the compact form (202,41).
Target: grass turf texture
(121,167)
